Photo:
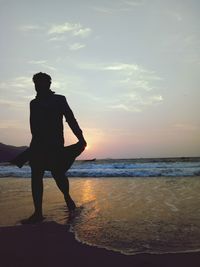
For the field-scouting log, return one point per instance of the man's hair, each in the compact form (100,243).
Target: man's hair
(41,76)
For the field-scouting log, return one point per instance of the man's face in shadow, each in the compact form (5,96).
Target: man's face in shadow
(42,86)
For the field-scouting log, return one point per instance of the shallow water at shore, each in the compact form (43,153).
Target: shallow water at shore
(130,215)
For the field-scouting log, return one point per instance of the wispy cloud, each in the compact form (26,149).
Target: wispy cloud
(119,66)
(124,107)
(122,67)
(128,75)
(43,64)
(135,87)
(118,6)
(20,83)
(57,38)
(57,31)
(136,102)
(104,10)
(10,104)
(139,87)
(133,3)
(62,28)
(76,46)
(133,75)
(29,27)
(84,32)
(37,62)
(76,29)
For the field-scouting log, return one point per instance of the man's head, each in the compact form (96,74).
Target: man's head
(42,82)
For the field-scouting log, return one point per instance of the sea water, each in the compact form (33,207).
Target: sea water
(135,214)
(170,167)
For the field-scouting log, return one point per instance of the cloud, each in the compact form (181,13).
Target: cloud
(134,3)
(82,32)
(135,87)
(57,38)
(57,31)
(18,82)
(118,6)
(136,102)
(43,64)
(16,88)
(122,66)
(131,75)
(21,82)
(62,28)
(10,104)
(104,10)
(30,27)
(37,62)
(125,70)
(76,46)
(118,66)
(123,107)
(76,29)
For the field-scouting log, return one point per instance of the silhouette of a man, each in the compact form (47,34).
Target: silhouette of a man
(47,144)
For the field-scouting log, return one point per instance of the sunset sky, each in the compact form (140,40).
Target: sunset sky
(130,70)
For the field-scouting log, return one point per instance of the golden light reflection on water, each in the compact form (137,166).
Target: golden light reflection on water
(86,193)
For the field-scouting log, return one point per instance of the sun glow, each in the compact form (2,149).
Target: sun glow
(88,147)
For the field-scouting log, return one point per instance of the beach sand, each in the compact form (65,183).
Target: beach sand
(51,244)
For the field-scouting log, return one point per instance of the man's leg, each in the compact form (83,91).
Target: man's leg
(37,189)
(37,193)
(63,184)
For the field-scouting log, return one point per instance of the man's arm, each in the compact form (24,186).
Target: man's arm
(32,119)
(73,124)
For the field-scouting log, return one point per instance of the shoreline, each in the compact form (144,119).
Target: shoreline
(51,244)
(136,253)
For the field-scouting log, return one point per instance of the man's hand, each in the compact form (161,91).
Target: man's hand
(83,142)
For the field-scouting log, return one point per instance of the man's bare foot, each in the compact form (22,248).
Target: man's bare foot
(70,203)
(35,218)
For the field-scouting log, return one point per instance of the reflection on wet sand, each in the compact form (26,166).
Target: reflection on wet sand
(86,193)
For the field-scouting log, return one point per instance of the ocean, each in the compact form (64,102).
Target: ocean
(129,205)
(166,167)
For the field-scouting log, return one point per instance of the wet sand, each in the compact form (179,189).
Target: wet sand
(50,244)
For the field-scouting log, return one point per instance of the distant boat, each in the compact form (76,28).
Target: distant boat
(86,160)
